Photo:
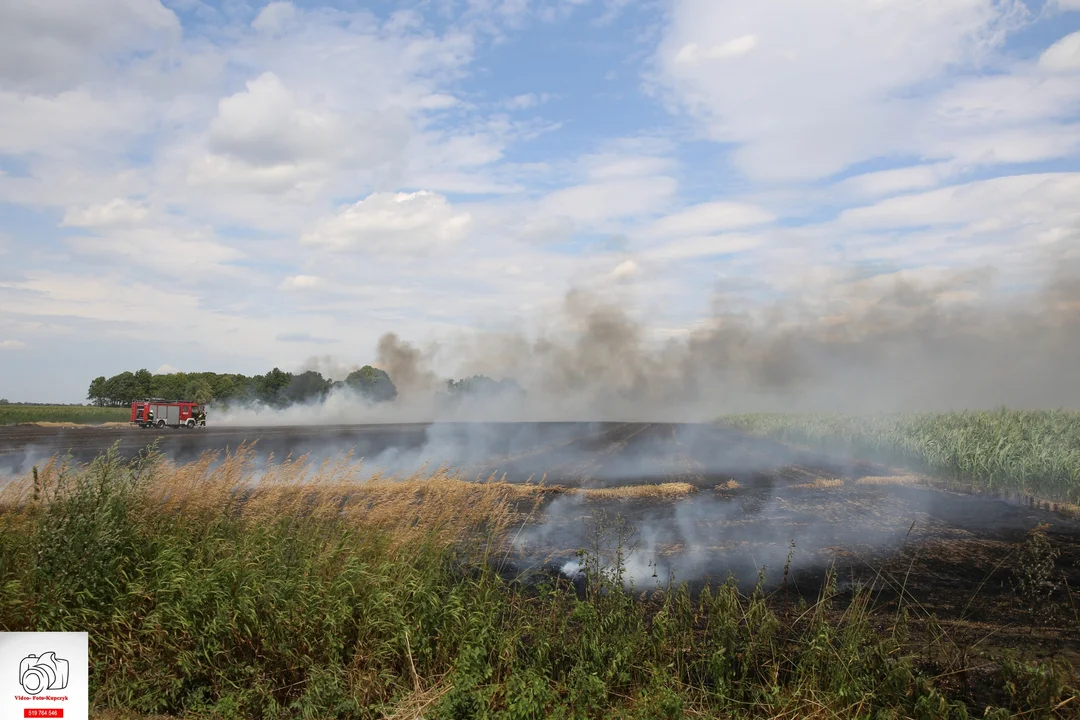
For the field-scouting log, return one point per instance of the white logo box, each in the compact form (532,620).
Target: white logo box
(44,675)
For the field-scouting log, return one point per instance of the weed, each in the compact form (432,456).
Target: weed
(1034,577)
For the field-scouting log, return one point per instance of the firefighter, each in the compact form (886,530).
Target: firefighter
(200,417)
(150,416)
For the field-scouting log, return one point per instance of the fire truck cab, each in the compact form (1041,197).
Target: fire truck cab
(159,414)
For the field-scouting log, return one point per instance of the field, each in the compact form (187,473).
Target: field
(78,414)
(557,570)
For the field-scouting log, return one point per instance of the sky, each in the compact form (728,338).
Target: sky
(234,186)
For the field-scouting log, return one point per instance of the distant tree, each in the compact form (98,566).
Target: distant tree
(373,383)
(225,387)
(305,387)
(144,383)
(121,389)
(170,387)
(199,391)
(268,387)
(96,394)
(4,401)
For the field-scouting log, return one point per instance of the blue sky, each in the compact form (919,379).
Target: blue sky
(236,185)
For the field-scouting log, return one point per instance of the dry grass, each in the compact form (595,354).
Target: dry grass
(663,491)
(891,480)
(440,503)
(820,484)
(728,486)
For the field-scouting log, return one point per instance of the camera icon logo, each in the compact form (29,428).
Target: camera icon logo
(38,673)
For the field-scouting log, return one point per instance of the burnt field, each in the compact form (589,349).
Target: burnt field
(700,503)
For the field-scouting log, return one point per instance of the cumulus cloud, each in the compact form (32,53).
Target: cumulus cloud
(1062,55)
(301,282)
(265,139)
(394,222)
(51,46)
(73,122)
(625,270)
(823,85)
(275,17)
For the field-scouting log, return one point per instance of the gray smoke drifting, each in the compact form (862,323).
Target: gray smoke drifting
(880,345)
(954,344)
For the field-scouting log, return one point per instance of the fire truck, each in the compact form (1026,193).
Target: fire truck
(160,413)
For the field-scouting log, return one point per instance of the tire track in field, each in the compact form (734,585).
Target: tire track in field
(561,461)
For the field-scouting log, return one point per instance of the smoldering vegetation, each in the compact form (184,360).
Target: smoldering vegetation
(272,564)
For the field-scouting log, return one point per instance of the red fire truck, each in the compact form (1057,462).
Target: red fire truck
(159,413)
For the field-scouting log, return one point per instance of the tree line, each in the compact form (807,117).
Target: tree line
(276,388)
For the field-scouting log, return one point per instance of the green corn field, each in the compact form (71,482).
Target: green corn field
(11,414)
(1033,452)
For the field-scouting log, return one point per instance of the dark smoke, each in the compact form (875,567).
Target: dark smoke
(406,366)
(954,344)
(885,344)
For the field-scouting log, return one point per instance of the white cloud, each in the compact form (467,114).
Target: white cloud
(732,48)
(827,84)
(526,101)
(274,17)
(166,370)
(701,246)
(1006,202)
(610,166)
(711,217)
(392,222)
(625,270)
(265,140)
(70,122)
(1062,55)
(118,211)
(594,203)
(51,46)
(12,345)
(890,182)
(301,282)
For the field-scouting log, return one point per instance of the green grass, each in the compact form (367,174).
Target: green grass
(11,414)
(1035,452)
(282,605)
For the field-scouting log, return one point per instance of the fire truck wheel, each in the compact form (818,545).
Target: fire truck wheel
(191,423)
(161,423)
